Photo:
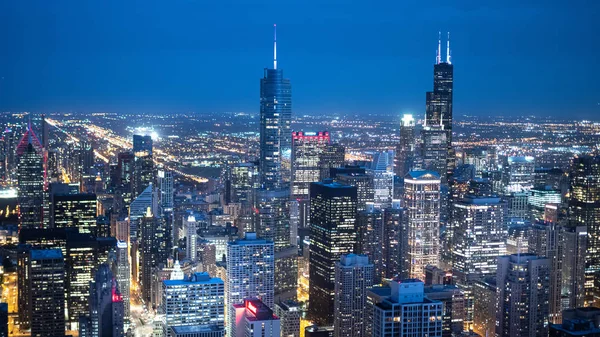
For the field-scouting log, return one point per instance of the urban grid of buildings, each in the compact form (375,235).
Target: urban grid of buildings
(416,229)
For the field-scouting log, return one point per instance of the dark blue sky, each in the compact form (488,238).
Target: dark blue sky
(510,57)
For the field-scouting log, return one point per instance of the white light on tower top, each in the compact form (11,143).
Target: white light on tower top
(408,120)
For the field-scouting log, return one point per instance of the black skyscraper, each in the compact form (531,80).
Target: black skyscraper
(332,234)
(439,101)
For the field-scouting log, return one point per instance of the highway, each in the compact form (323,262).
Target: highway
(159,156)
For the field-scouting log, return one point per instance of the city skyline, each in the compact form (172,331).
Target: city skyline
(257,224)
(379,64)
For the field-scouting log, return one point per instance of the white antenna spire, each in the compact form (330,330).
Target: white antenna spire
(448,50)
(275,46)
(438,59)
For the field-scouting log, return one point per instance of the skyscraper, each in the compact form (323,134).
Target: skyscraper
(518,174)
(106,309)
(190,228)
(370,239)
(275,122)
(364,184)
(75,210)
(46,291)
(250,273)
(522,299)
(30,187)
(306,152)
(122,274)
(406,146)
(143,165)
(584,210)
(383,179)
(332,234)
(274,225)
(439,101)
(333,156)
(479,235)
(434,150)
(395,255)
(155,248)
(353,276)
(422,202)
(165,182)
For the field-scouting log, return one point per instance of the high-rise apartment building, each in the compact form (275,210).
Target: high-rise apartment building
(523,282)
(289,313)
(197,300)
(250,273)
(353,276)
(370,239)
(402,310)
(479,234)
(422,203)
(584,210)
(332,234)
(454,302)
(395,245)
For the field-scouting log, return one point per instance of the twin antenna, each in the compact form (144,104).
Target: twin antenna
(438,58)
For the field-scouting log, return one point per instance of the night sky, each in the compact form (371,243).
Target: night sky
(510,57)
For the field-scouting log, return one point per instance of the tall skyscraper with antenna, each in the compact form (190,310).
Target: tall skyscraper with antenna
(272,198)
(439,101)
(275,121)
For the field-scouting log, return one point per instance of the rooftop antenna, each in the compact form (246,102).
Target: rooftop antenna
(275,46)
(448,50)
(438,59)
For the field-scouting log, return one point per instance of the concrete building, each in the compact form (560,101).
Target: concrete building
(353,276)
(402,310)
(523,294)
(250,273)
(193,301)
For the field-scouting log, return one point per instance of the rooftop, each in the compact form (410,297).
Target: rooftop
(194,328)
(430,175)
(196,278)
